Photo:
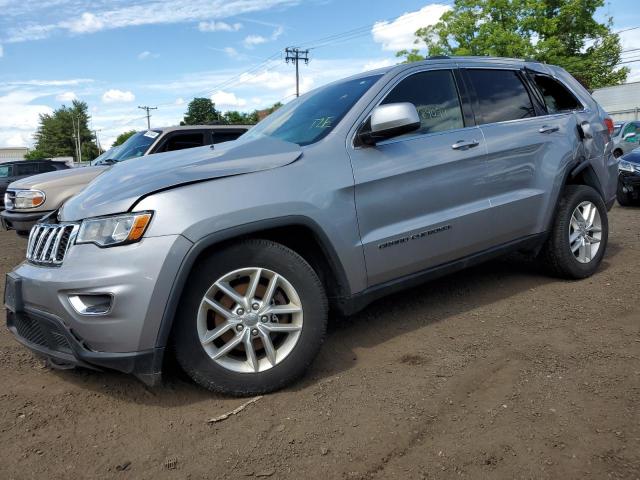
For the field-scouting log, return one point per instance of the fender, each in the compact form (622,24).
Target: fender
(243,230)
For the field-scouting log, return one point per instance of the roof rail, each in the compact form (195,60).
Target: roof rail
(439,57)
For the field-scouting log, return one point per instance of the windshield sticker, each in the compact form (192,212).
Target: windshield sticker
(322,122)
(151,134)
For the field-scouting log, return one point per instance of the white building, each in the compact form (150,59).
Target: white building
(622,102)
(11,154)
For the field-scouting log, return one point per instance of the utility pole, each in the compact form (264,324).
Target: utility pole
(95,132)
(144,107)
(294,54)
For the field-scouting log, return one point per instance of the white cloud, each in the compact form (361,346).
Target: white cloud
(147,54)
(227,100)
(231,52)
(179,101)
(219,26)
(400,33)
(116,96)
(106,17)
(20,117)
(252,40)
(87,23)
(1,51)
(66,97)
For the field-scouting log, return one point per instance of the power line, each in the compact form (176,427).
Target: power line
(294,55)
(148,109)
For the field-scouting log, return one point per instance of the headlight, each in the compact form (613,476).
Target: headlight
(625,166)
(27,199)
(114,230)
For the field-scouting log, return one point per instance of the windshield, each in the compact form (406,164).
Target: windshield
(313,116)
(135,146)
(4,171)
(99,160)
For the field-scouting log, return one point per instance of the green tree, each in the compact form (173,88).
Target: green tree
(55,136)
(234,117)
(123,137)
(201,111)
(559,32)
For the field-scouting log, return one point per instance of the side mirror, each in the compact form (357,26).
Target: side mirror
(630,137)
(391,120)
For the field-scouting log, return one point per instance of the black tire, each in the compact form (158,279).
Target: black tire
(250,253)
(556,253)
(617,153)
(624,199)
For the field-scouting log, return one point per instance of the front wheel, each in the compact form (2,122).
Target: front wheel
(624,198)
(252,319)
(578,238)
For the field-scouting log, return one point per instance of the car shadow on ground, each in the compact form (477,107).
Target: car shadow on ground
(415,308)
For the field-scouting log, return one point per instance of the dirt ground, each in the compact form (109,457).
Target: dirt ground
(495,372)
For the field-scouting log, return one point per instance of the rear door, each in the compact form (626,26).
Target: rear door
(526,148)
(420,197)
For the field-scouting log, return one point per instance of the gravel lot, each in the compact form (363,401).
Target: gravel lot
(497,371)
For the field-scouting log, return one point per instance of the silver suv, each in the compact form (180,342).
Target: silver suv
(233,257)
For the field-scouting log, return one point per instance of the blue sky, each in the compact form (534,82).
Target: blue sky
(118,54)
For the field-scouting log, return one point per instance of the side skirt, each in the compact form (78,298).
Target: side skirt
(355,303)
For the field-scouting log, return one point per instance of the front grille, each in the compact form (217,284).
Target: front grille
(48,244)
(45,334)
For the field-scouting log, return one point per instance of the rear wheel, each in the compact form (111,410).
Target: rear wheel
(252,319)
(578,239)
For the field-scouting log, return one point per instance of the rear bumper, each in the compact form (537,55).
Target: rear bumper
(21,222)
(46,335)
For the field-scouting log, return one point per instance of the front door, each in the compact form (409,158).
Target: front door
(420,198)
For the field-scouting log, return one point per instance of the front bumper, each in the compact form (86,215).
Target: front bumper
(630,183)
(47,335)
(137,277)
(19,221)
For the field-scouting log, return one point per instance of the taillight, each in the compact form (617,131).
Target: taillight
(609,124)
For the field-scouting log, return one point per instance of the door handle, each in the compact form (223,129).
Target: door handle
(462,145)
(548,129)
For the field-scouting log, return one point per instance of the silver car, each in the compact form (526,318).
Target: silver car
(626,137)
(235,256)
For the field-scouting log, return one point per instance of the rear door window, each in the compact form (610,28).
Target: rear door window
(557,97)
(181,141)
(226,135)
(46,167)
(435,96)
(501,96)
(27,168)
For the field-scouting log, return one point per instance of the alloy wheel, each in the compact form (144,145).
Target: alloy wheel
(250,320)
(585,232)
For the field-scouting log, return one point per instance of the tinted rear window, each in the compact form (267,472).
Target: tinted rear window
(501,96)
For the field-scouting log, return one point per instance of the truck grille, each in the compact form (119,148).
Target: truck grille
(48,244)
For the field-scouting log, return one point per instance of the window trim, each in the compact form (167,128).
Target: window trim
(475,102)
(461,90)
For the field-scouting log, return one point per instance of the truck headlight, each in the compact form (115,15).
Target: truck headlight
(28,199)
(625,166)
(114,230)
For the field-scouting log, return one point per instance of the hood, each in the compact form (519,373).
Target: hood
(122,185)
(633,156)
(67,177)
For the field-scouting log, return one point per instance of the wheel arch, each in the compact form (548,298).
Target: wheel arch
(299,233)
